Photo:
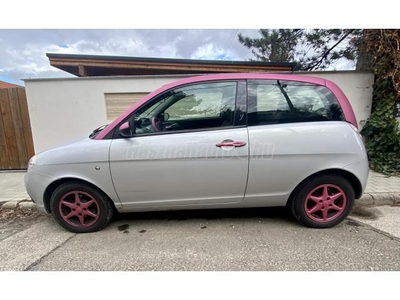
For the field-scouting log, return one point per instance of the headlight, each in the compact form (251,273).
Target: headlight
(31,162)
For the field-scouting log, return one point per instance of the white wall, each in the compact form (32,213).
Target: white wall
(68,109)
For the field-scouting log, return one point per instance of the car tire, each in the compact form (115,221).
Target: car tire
(80,208)
(322,201)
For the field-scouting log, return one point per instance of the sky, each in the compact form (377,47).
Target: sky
(23,52)
(28,31)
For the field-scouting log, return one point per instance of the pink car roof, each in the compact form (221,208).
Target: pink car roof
(344,103)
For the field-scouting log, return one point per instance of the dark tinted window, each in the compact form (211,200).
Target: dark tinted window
(275,101)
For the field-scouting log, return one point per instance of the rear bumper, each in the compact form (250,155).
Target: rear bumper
(361,170)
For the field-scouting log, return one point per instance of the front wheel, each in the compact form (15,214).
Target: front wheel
(80,208)
(323,201)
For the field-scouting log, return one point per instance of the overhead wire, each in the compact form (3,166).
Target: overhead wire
(230,44)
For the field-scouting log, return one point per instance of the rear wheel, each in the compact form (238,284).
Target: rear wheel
(323,201)
(80,208)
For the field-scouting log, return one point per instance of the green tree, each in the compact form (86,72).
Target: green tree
(376,50)
(381,131)
(312,49)
(322,47)
(276,45)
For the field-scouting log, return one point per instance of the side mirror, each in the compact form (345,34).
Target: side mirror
(125,130)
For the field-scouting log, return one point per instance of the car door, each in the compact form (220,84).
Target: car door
(293,130)
(189,147)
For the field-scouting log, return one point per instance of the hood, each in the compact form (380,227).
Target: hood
(86,150)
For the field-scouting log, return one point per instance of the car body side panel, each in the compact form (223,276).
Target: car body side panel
(361,170)
(172,170)
(283,155)
(35,185)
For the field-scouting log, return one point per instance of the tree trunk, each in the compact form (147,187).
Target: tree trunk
(364,58)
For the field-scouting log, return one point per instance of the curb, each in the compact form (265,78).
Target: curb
(23,204)
(367,200)
(378,199)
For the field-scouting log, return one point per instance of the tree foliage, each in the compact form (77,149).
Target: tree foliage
(381,131)
(277,45)
(371,49)
(312,49)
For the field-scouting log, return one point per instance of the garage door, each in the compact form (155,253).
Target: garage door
(117,103)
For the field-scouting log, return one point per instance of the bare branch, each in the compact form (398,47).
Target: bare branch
(319,61)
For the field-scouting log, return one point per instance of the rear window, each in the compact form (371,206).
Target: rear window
(276,101)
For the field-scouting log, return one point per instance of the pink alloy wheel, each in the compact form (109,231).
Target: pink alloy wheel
(325,203)
(79,209)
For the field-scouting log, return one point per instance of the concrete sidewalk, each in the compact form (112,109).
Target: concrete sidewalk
(381,190)
(12,186)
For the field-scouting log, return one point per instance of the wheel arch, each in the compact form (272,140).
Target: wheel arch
(53,186)
(354,181)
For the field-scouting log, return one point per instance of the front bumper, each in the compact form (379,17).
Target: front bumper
(35,185)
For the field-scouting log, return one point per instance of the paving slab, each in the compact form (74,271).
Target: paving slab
(380,183)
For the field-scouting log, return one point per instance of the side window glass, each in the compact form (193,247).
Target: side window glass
(275,101)
(202,101)
(270,98)
(198,106)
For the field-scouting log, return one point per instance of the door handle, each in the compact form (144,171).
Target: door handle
(231,144)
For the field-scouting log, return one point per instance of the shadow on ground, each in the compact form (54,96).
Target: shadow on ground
(209,214)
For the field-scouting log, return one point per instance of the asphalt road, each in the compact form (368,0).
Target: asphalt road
(224,240)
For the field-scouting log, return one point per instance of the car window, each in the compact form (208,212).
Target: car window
(275,101)
(203,101)
(197,106)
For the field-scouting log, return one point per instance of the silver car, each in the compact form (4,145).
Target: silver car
(214,141)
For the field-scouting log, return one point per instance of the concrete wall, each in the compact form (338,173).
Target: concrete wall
(68,109)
